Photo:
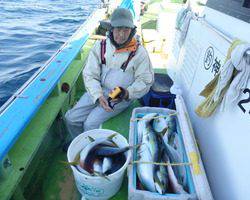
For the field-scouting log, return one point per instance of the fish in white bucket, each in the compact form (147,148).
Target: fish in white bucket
(106,164)
(98,186)
(94,142)
(100,157)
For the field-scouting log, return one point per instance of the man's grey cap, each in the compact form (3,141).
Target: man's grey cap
(122,17)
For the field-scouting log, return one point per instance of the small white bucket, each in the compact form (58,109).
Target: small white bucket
(94,187)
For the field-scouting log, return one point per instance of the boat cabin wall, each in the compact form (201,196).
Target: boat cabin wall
(230,26)
(224,137)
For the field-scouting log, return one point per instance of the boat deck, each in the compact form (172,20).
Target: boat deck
(58,181)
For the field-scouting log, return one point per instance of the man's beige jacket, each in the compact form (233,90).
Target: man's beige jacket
(139,66)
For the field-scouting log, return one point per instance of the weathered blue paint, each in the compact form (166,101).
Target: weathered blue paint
(19,113)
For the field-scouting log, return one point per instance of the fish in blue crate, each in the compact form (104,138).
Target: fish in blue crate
(147,152)
(159,148)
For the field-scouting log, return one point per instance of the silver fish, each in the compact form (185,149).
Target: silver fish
(176,145)
(161,179)
(148,152)
(117,162)
(140,127)
(177,188)
(106,164)
(171,123)
(110,151)
(160,125)
(175,157)
(171,136)
(97,166)
(146,171)
(161,175)
(94,142)
(149,137)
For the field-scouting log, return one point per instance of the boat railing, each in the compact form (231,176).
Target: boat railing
(216,30)
(17,112)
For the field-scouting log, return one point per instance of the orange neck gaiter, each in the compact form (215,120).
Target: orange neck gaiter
(131,46)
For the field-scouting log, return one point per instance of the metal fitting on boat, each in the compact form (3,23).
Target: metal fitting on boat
(65,87)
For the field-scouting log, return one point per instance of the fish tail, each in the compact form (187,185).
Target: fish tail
(69,163)
(101,175)
(110,139)
(137,146)
(91,139)
(159,183)
(111,136)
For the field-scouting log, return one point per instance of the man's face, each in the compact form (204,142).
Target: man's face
(121,34)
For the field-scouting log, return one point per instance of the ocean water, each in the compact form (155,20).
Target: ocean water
(30,32)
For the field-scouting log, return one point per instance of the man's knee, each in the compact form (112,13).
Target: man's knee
(91,123)
(68,117)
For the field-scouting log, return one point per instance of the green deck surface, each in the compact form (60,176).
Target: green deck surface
(59,183)
(120,124)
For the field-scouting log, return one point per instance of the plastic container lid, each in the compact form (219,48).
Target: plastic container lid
(162,83)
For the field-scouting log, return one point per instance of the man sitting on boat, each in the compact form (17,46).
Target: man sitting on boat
(118,61)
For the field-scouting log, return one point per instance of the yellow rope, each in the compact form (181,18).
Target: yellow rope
(161,116)
(164,164)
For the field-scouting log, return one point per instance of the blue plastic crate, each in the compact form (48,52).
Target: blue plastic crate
(158,99)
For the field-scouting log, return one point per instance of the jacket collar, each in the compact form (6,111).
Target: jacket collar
(131,46)
(120,46)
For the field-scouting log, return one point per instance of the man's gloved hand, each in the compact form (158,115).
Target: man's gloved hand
(104,103)
(122,96)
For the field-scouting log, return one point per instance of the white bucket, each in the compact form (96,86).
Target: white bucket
(94,187)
